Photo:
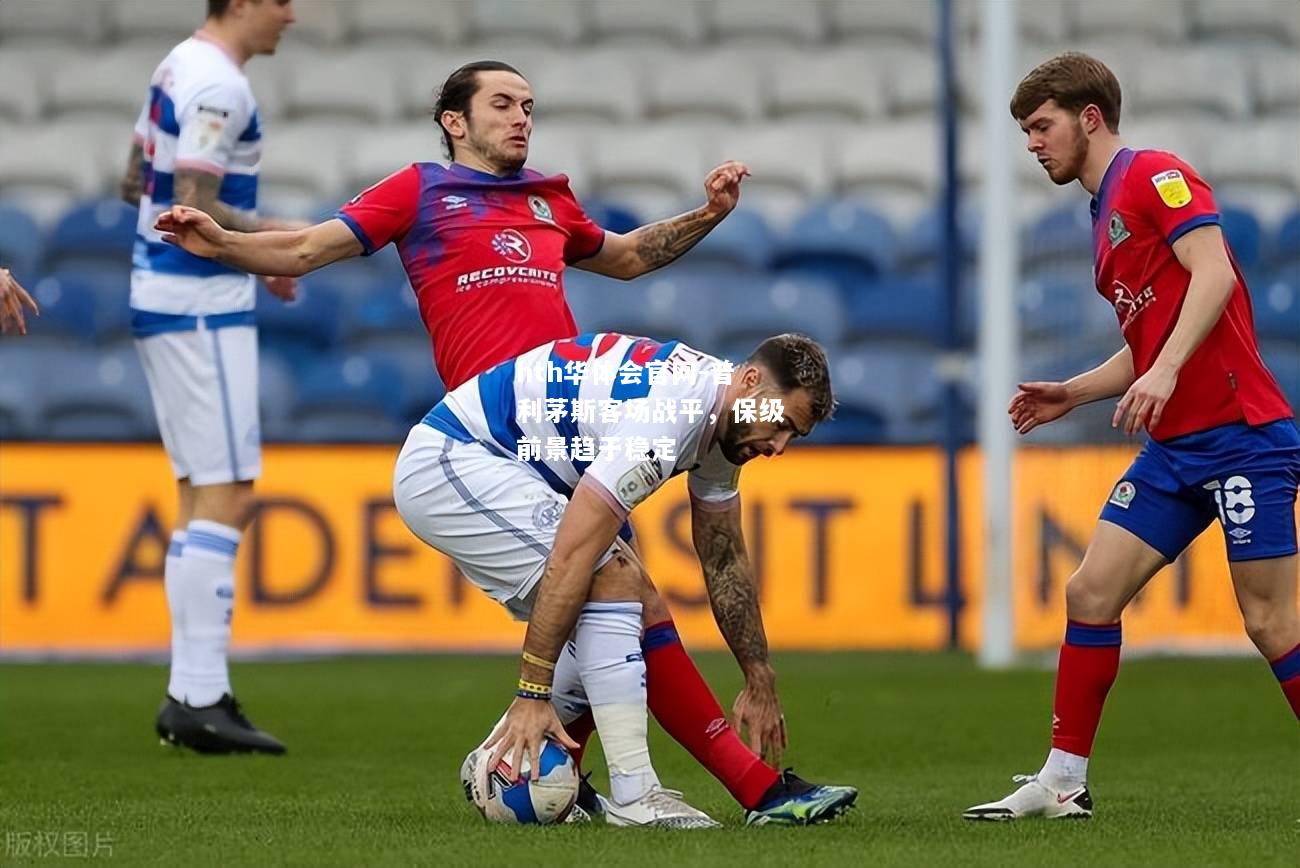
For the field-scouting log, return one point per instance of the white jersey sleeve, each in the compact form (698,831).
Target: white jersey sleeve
(628,468)
(211,122)
(715,481)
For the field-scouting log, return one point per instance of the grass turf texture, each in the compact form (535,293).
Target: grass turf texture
(1197,764)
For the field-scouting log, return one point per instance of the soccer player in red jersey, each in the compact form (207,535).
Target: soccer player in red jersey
(1223,441)
(484,242)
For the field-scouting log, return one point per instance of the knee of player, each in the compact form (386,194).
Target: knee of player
(1273,630)
(618,579)
(1088,599)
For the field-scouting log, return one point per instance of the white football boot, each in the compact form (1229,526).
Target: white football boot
(1036,799)
(659,807)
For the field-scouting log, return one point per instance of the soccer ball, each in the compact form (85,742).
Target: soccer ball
(504,795)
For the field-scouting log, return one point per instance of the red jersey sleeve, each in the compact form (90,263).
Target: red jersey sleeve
(1171,195)
(384,212)
(585,237)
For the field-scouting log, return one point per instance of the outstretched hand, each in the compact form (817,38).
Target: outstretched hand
(722,185)
(191,229)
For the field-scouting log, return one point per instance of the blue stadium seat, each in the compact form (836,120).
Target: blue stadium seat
(897,308)
(1286,247)
(891,382)
(1283,359)
(307,326)
(742,240)
(921,246)
(69,308)
(852,426)
(612,216)
(847,243)
(753,309)
(103,229)
(1062,232)
(365,382)
(277,393)
(1277,311)
(388,309)
(1245,238)
(1051,309)
(20,241)
(672,304)
(96,396)
(348,426)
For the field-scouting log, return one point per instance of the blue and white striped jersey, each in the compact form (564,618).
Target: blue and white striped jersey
(200,114)
(625,412)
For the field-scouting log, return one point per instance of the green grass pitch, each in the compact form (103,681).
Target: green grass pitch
(1197,764)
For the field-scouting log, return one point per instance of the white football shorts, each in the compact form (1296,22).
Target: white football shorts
(488,511)
(204,388)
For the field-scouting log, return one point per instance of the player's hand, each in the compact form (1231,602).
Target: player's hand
(1037,404)
(722,186)
(13,298)
(523,734)
(1145,400)
(758,719)
(283,288)
(192,230)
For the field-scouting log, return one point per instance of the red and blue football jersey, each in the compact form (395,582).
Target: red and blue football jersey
(484,255)
(1147,201)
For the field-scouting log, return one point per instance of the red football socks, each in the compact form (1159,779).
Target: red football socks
(685,707)
(1287,670)
(1087,668)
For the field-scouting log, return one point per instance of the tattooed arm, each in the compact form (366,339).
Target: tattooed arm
(199,190)
(132,187)
(733,595)
(657,244)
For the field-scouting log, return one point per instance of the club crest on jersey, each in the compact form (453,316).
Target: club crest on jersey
(1123,494)
(1172,187)
(1117,231)
(512,246)
(454,202)
(547,515)
(541,209)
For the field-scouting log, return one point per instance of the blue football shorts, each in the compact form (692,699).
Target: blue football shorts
(1244,476)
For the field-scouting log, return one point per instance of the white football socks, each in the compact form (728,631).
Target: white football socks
(1064,771)
(567,693)
(175,606)
(205,586)
(608,645)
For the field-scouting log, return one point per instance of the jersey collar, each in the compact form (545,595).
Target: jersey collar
(463,171)
(1118,161)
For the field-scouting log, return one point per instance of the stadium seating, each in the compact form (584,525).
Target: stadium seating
(20,241)
(389,23)
(674,22)
(94,231)
(839,241)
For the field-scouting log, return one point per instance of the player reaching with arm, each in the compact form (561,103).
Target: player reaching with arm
(1223,441)
(13,298)
(197,144)
(484,242)
(541,534)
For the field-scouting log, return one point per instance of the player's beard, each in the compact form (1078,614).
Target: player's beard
(508,163)
(1068,172)
(732,442)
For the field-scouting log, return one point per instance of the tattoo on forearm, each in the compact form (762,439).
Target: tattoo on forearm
(133,181)
(199,190)
(660,243)
(733,594)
